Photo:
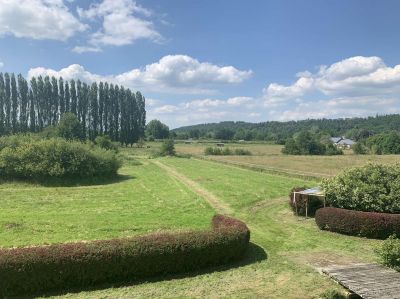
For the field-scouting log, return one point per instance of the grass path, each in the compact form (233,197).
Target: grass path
(219,206)
(288,249)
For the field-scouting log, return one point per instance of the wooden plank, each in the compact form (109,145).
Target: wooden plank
(370,281)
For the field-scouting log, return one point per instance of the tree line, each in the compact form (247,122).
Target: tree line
(102,108)
(278,132)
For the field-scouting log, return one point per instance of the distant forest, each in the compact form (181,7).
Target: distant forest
(279,132)
(102,108)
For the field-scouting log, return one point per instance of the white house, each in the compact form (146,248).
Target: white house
(342,142)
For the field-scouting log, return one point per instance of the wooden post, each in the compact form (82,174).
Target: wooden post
(295,203)
(306,206)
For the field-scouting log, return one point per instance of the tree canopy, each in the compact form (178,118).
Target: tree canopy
(101,108)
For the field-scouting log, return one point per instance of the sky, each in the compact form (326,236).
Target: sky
(217,60)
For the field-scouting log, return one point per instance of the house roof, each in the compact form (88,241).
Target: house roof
(342,141)
(346,142)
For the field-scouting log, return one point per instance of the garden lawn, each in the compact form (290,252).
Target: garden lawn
(287,250)
(144,199)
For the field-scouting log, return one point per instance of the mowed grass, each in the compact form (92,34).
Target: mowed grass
(143,200)
(287,252)
(269,157)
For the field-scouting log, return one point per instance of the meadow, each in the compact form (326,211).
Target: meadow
(166,193)
(269,157)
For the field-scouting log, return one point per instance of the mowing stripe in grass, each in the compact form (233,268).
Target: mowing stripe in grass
(214,201)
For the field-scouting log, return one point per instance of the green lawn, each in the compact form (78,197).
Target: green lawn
(144,199)
(287,250)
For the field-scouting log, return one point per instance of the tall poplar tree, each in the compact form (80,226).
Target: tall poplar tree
(73,98)
(14,104)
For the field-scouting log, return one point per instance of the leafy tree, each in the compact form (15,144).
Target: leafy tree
(168,148)
(14,104)
(157,129)
(384,143)
(306,143)
(70,128)
(359,148)
(224,134)
(105,142)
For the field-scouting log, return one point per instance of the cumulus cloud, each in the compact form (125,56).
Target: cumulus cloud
(84,49)
(123,22)
(38,19)
(171,74)
(207,110)
(355,76)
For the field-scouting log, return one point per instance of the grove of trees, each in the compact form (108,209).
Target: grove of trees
(306,143)
(101,108)
(156,129)
(278,132)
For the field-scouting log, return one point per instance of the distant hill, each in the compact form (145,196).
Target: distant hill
(354,128)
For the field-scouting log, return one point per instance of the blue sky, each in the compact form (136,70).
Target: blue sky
(207,61)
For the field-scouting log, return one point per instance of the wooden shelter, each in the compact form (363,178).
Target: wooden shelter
(316,191)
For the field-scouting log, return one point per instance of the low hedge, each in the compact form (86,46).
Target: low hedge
(40,269)
(357,223)
(314,202)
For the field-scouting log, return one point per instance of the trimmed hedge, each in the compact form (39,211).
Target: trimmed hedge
(314,202)
(357,223)
(31,270)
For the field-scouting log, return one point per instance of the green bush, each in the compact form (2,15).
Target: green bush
(105,142)
(168,148)
(34,158)
(306,143)
(370,188)
(242,152)
(389,252)
(48,268)
(216,151)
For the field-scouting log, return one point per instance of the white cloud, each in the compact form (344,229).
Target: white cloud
(171,74)
(85,49)
(123,22)
(207,110)
(1,64)
(38,19)
(355,76)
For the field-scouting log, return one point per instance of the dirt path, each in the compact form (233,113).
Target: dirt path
(213,200)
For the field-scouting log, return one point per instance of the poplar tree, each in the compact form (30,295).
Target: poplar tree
(23,99)
(7,101)
(54,100)
(2,100)
(14,104)
(67,97)
(61,96)
(73,98)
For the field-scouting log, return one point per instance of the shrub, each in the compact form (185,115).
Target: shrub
(359,148)
(35,158)
(216,151)
(105,142)
(314,202)
(167,148)
(306,143)
(357,223)
(48,268)
(70,128)
(370,188)
(389,252)
(242,152)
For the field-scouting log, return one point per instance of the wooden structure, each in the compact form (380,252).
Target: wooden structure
(316,191)
(220,144)
(369,281)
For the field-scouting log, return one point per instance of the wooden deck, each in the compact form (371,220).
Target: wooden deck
(369,281)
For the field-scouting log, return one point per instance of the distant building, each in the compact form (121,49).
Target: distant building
(342,142)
